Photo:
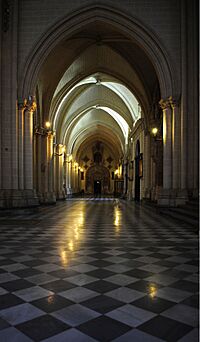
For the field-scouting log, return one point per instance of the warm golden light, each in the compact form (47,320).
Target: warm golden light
(69,157)
(164,128)
(76,233)
(63,149)
(71,246)
(152,291)
(48,124)
(117,219)
(116,172)
(51,299)
(154,131)
(64,259)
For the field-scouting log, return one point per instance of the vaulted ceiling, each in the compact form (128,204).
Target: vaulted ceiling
(96,85)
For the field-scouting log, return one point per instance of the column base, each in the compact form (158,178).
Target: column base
(172,197)
(47,198)
(60,195)
(13,198)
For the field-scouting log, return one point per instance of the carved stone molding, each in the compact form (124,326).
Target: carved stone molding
(174,102)
(31,104)
(42,131)
(164,104)
(21,104)
(27,104)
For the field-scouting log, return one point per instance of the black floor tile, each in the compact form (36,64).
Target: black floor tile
(142,285)
(42,327)
(137,273)
(104,328)
(186,286)
(101,255)
(3,324)
(52,303)
(166,263)
(64,273)
(133,263)
(102,304)
(192,301)
(101,286)
(100,273)
(193,263)
(100,263)
(154,304)
(159,255)
(165,328)
(8,300)
(15,285)
(6,262)
(35,262)
(27,272)
(175,273)
(58,286)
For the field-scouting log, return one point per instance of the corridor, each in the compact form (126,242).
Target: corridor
(97,269)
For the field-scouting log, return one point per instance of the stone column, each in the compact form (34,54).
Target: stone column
(147,165)
(175,144)
(167,144)
(28,143)
(68,175)
(21,109)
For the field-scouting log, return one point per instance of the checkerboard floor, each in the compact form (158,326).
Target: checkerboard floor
(97,270)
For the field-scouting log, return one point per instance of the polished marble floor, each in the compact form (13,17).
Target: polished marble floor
(97,270)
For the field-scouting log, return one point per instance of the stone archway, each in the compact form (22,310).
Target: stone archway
(98,173)
(132,28)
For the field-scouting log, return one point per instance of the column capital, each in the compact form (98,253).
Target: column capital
(21,104)
(164,104)
(27,104)
(174,101)
(31,104)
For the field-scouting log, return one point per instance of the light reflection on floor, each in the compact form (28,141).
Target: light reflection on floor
(97,270)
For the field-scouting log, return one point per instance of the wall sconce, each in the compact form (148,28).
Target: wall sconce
(154,132)
(47,124)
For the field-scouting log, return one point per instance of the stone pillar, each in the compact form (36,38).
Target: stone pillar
(68,175)
(167,144)
(147,165)
(28,144)
(44,166)
(21,108)
(59,156)
(175,144)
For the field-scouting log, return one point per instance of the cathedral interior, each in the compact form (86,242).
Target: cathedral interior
(99,170)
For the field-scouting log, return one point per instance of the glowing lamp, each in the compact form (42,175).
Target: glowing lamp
(154,131)
(47,124)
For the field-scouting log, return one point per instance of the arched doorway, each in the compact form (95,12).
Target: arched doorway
(98,180)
